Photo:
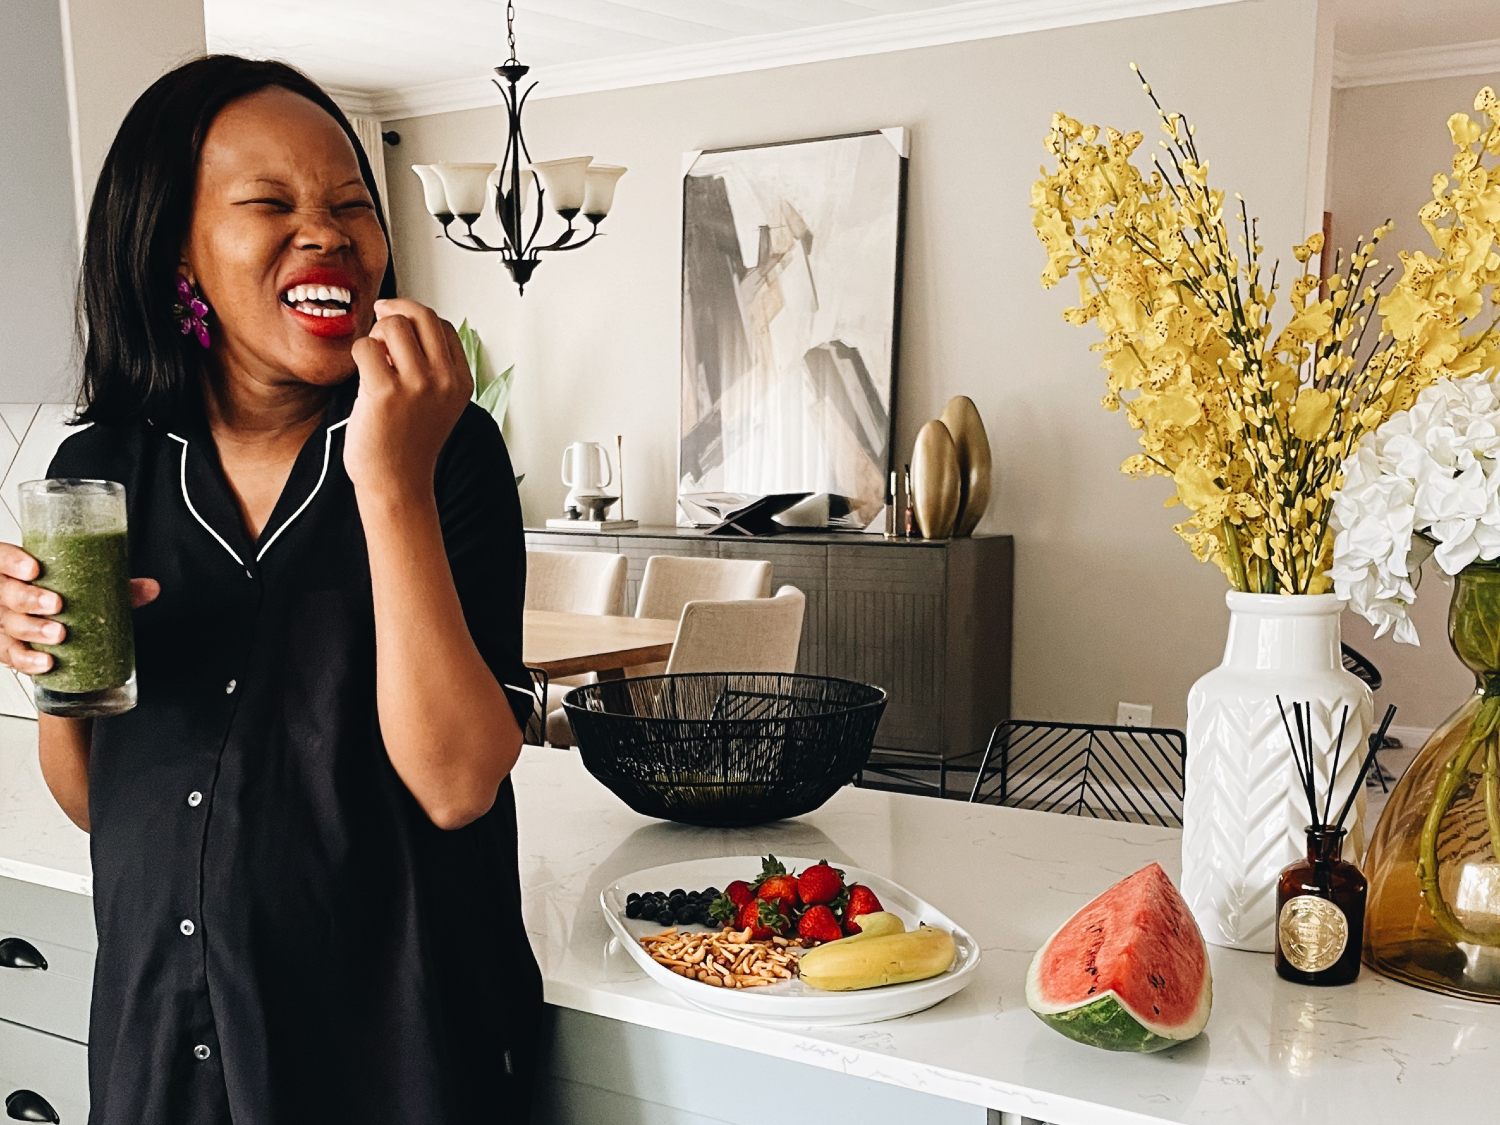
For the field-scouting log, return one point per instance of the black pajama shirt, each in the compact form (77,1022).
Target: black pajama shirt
(284,936)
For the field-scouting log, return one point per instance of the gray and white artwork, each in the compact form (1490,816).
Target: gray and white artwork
(790,273)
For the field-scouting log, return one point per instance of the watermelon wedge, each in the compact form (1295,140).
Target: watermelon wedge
(1128,972)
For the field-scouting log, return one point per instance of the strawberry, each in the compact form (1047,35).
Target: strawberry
(749,919)
(862,900)
(818,924)
(763,920)
(724,910)
(820,884)
(739,892)
(781,890)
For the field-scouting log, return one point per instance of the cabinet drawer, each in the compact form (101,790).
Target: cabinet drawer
(51,1069)
(60,927)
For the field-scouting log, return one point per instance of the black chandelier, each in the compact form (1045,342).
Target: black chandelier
(521,186)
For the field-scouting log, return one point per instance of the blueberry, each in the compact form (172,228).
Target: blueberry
(632,910)
(675,891)
(632,897)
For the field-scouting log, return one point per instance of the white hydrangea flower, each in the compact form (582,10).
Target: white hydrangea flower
(1428,475)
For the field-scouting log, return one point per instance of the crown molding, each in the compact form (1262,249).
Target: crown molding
(1416,64)
(955,23)
(354,103)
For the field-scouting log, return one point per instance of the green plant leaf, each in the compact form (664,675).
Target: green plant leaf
(495,397)
(492,392)
(474,355)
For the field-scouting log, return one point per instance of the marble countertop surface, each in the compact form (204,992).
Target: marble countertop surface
(1374,1051)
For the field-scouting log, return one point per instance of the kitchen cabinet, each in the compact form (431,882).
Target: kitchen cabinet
(47,947)
(41,1072)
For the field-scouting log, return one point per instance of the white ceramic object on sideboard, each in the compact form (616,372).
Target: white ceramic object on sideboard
(1244,814)
(30,433)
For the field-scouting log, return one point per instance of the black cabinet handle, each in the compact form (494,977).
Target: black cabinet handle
(18,953)
(27,1105)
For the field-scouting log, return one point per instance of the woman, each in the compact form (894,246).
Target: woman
(303,838)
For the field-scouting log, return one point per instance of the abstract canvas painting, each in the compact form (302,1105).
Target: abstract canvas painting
(791,259)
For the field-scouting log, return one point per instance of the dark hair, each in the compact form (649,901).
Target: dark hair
(136,363)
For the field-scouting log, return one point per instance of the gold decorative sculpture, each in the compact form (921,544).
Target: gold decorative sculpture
(972,444)
(935,481)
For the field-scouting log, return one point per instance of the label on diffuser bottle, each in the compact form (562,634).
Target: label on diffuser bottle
(1314,933)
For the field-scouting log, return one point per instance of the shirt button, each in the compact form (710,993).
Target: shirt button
(187,927)
(230,686)
(195,799)
(201,1052)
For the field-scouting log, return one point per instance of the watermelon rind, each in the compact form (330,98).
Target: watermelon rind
(1107,1023)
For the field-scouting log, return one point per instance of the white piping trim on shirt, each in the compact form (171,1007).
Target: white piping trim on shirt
(322,476)
(327,448)
(188,501)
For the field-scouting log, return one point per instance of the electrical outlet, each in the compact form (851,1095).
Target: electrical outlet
(1133,715)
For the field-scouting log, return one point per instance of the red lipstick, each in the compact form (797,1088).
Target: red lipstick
(342,324)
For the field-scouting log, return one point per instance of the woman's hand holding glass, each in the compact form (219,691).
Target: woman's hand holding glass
(26,609)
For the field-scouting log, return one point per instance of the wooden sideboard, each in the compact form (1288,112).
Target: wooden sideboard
(928,621)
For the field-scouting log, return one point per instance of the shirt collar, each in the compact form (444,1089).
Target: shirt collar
(188,418)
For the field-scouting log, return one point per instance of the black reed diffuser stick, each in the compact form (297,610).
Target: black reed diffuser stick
(1302,757)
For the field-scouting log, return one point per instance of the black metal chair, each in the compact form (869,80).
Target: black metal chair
(535,732)
(1108,772)
(1359,665)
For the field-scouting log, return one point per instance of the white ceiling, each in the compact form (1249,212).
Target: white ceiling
(376,45)
(398,54)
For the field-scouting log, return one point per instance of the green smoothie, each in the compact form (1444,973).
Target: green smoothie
(91,570)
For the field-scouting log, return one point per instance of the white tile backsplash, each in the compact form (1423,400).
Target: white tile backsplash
(30,433)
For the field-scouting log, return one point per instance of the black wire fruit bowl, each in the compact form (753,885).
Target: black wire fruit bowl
(725,749)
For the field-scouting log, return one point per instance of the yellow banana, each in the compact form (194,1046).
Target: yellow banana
(872,961)
(875,925)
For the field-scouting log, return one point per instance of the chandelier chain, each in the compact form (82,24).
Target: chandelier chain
(510,30)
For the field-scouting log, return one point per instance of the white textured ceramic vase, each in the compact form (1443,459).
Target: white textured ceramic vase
(1245,814)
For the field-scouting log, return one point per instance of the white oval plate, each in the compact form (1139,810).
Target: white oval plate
(790,1002)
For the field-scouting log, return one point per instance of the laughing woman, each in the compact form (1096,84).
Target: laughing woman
(304,837)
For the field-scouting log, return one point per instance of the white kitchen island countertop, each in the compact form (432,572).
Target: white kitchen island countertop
(1274,1052)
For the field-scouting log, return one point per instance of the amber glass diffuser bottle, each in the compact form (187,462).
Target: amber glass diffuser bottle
(1320,913)
(1320,900)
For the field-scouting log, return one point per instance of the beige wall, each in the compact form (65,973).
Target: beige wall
(1387,142)
(1109,605)
(114,51)
(69,69)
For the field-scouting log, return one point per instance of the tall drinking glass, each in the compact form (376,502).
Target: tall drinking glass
(76,530)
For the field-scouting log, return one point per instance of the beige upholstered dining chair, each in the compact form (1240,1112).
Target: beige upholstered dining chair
(671,582)
(575,581)
(754,635)
(668,585)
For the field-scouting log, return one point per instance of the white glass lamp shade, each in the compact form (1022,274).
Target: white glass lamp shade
(528,186)
(599,189)
(432,191)
(464,185)
(563,181)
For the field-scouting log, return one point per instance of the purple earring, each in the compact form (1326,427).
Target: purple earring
(191,311)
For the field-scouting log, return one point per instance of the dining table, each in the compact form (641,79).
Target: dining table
(572,644)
